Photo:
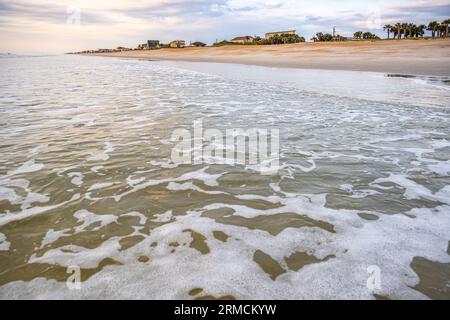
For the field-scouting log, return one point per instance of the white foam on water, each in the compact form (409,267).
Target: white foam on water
(164,165)
(132,182)
(414,190)
(396,138)
(98,186)
(163,217)
(201,175)
(4,244)
(142,218)
(390,243)
(103,156)
(60,172)
(96,169)
(75,255)
(11,217)
(442,168)
(52,235)
(36,150)
(27,167)
(8,193)
(173,186)
(77,178)
(88,218)
(312,166)
(440,144)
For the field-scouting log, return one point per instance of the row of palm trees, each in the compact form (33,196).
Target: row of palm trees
(411,30)
(365,35)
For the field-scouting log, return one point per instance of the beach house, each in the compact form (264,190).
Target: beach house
(178,44)
(152,44)
(270,35)
(243,40)
(198,44)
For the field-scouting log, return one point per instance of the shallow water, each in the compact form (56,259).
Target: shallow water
(86,180)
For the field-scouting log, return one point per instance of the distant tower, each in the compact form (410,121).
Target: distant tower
(334,32)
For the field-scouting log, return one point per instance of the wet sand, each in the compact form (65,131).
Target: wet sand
(415,57)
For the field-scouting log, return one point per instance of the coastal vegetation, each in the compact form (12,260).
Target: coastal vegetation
(401,30)
(326,37)
(359,35)
(283,38)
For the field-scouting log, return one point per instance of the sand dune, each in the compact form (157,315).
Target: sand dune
(420,57)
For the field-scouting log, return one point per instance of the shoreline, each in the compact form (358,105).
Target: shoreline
(413,57)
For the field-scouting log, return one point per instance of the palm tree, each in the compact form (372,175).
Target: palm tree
(411,30)
(404,29)
(421,30)
(442,30)
(398,29)
(387,28)
(439,30)
(433,26)
(446,23)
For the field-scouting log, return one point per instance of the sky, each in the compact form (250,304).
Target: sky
(58,26)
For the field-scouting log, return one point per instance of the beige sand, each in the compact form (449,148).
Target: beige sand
(419,57)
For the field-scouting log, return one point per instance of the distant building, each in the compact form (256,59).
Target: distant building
(199,44)
(122,49)
(105,50)
(178,44)
(270,35)
(246,39)
(152,44)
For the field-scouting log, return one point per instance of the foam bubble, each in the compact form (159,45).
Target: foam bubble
(4,244)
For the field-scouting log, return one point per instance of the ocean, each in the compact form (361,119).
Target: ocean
(93,205)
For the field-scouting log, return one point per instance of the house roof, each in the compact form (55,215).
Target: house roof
(242,38)
(280,32)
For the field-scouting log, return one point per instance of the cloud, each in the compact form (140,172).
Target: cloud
(41,24)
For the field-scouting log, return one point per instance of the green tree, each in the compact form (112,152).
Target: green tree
(358,35)
(404,29)
(411,30)
(420,30)
(433,26)
(324,36)
(398,30)
(388,29)
(446,23)
(369,36)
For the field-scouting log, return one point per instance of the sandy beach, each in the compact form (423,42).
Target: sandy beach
(417,57)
